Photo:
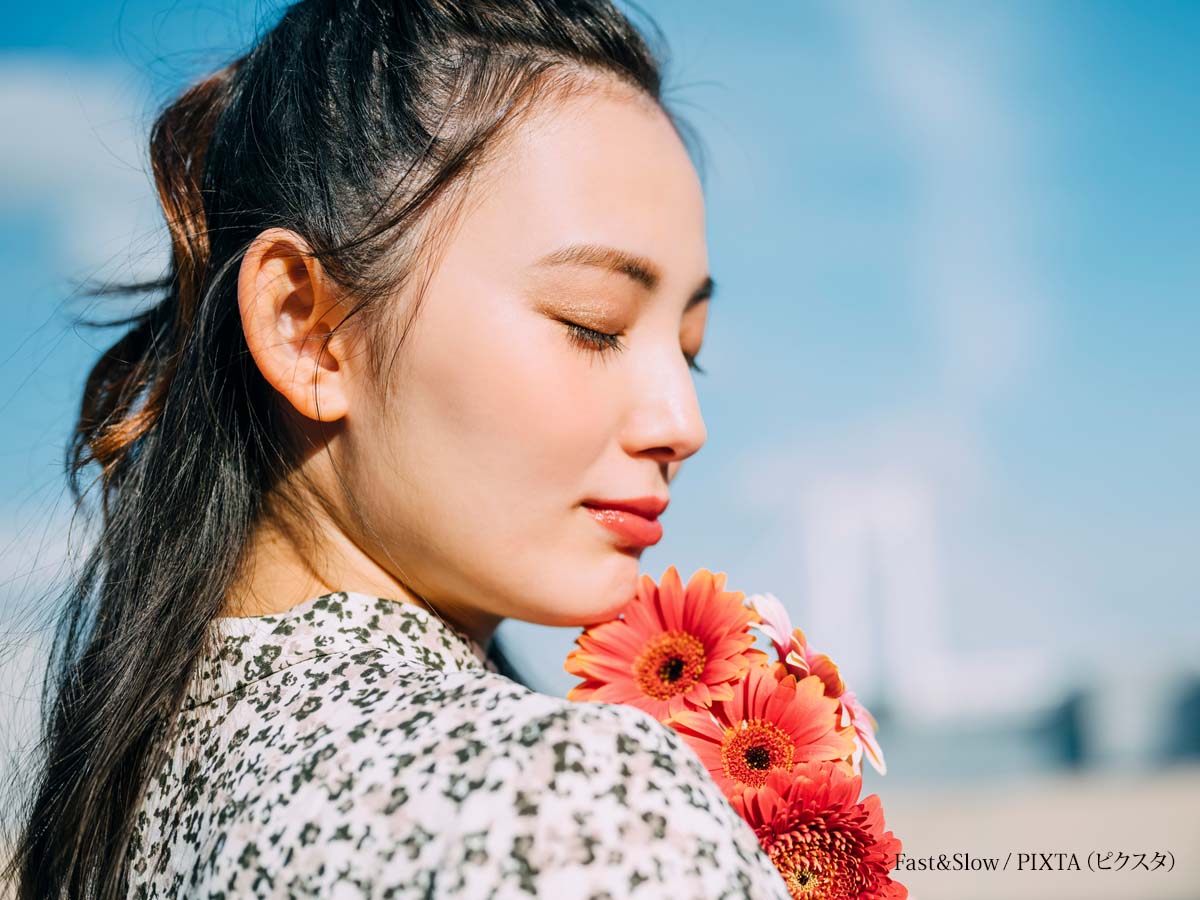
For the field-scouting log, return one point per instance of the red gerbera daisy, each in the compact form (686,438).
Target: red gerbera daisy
(770,724)
(826,844)
(673,648)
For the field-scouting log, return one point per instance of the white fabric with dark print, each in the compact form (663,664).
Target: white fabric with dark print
(355,746)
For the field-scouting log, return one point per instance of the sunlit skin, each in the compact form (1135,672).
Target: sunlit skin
(498,424)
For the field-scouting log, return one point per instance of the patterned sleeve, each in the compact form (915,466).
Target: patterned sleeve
(603,802)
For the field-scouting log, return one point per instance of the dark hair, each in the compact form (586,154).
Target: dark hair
(354,123)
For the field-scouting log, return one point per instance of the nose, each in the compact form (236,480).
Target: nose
(665,423)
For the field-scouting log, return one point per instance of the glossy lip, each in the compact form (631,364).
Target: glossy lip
(635,521)
(649,507)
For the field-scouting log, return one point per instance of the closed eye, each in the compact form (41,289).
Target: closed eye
(603,342)
(589,338)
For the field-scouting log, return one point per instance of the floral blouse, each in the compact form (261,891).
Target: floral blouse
(356,746)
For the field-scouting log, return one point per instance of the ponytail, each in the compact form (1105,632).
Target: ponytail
(126,389)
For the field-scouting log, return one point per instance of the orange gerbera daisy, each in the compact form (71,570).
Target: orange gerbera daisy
(770,725)
(672,648)
(826,844)
(799,659)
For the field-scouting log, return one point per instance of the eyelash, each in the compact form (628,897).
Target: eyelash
(602,342)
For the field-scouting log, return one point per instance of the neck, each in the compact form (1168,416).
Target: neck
(280,569)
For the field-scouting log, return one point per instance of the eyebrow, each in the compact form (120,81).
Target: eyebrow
(638,268)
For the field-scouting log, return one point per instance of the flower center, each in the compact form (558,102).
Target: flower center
(669,665)
(752,749)
(819,865)
(758,757)
(800,880)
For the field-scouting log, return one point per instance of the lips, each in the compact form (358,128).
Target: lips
(634,522)
(649,507)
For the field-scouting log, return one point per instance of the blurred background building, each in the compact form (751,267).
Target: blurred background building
(952,382)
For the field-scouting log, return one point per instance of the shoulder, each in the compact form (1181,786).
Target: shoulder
(607,802)
(462,784)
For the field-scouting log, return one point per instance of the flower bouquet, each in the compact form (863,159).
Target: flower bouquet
(779,733)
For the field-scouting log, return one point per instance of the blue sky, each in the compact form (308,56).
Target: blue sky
(952,381)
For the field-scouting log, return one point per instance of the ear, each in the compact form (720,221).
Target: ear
(289,306)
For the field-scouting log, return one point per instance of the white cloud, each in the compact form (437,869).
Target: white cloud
(33,559)
(72,150)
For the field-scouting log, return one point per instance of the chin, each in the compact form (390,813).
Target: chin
(590,592)
(613,585)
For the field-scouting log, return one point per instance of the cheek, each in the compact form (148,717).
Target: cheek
(500,393)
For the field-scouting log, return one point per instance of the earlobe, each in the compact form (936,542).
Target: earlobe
(289,309)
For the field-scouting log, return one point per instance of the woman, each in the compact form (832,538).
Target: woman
(439,278)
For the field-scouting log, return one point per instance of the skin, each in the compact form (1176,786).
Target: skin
(499,423)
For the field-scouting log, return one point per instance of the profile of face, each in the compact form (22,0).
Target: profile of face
(507,410)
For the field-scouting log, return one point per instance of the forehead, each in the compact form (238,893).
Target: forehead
(599,168)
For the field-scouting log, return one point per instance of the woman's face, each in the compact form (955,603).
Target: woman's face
(499,423)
